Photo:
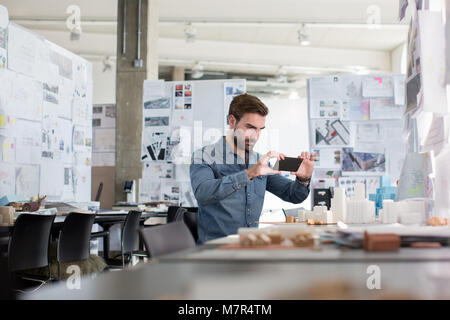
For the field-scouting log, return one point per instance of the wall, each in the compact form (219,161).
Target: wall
(398,59)
(104,83)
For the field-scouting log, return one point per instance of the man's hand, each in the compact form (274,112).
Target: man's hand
(262,168)
(306,168)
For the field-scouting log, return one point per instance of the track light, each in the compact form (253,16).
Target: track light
(197,71)
(303,36)
(294,95)
(281,75)
(190,32)
(108,63)
(75,33)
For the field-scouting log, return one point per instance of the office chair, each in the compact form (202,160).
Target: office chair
(178,216)
(128,240)
(28,247)
(167,238)
(190,218)
(74,239)
(171,212)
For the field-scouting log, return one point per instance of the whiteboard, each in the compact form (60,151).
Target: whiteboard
(206,121)
(45,120)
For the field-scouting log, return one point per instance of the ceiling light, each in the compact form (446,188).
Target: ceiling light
(75,33)
(197,71)
(294,95)
(303,36)
(190,32)
(107,63)
(281,75)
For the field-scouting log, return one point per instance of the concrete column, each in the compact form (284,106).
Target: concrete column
(129,80)
(178,74)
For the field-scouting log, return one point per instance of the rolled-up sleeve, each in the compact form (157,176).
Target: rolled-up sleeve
(286,189)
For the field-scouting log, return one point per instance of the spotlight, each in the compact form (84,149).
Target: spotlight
(303,36)
(281,75)
(75,33)
(190,32)
(197,71)
(107,63)
(294,95)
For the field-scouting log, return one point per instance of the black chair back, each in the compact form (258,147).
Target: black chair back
(179,214)
(171,212)
(75,236)
(130,231)
(190,218)
(167,238)
(28,246)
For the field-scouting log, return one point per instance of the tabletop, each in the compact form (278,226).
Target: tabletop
(277,274)
(101,218)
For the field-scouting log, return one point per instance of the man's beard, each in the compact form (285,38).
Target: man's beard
(242,144)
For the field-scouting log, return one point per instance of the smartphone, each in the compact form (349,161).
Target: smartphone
(288,164)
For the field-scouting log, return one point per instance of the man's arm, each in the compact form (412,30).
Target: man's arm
(286,189)
(293,191)
(207,189)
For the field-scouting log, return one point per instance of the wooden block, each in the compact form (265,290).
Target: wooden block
(381,242)
(290,219)
(314,222)
(303,239)
(275,238)
(425,245)
(264,239)
(437,221)
(248,240)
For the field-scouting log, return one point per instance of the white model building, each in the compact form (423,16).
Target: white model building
(338,204)
(319,213)
(358,208)
(405,212)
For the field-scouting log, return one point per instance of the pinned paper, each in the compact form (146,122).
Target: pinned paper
(4,18)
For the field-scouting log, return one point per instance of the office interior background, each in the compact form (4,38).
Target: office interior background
(103,102)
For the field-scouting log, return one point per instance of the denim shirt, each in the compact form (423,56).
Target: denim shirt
(227,199)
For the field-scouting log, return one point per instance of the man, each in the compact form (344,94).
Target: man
(229,179)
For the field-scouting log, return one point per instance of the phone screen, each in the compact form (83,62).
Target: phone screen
(288,164)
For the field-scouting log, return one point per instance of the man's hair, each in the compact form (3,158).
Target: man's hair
(246,103)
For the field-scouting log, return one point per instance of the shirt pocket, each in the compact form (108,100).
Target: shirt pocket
(223,170)
(260,186)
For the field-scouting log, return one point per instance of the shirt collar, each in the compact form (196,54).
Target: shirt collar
(223,146)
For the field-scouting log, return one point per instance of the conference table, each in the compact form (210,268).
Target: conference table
(210,271)
(104,218)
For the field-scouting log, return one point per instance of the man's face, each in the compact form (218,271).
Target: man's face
(247,129)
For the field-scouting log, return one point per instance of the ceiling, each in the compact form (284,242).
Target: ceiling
(254,36)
